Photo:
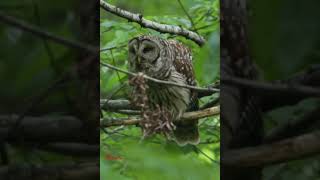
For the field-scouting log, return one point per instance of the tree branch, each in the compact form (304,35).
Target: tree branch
(198,89)
(125,107)
(74,149)
(107,104)
(290,129)
(188,116)
(309,77)
(282,151)
(44,34)
(114,47)
(163,28)
(44,129)
(271,88)
(67,171)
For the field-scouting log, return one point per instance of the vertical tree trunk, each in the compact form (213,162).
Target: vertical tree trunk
(241,123)
(88,68)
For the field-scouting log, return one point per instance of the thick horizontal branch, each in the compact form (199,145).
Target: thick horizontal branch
(188,116)
(73,149)
(163,28)
(118,104)
(124,106)
(44,129)
(44,34)
(198,89)
(282,151)
(68,171)
(128,112)
(272,88)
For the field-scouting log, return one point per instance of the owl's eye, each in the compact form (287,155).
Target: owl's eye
(131,50)
(154,61)
(147,49)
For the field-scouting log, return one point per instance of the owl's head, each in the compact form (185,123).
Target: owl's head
(148,54)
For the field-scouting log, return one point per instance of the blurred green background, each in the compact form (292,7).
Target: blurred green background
(284,36)
(285,40)
(29,64)
(123,156)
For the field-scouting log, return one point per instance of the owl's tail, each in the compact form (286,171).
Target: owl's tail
(187,133)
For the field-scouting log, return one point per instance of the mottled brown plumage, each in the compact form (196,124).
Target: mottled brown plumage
(171,61)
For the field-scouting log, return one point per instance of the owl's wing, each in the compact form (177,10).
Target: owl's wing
(186,131)
(183,65)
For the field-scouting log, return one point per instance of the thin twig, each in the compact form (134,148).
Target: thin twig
(211,103)
(204,27)
(163,28)
(114,63)
(188,15)
(112,48)
(206,155)
(198,89)
(203,16)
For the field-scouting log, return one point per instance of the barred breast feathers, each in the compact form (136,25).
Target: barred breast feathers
(175,99)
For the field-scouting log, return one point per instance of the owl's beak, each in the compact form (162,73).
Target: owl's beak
(139,60)
(139,63)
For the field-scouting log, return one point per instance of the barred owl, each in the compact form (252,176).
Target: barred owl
(168,60)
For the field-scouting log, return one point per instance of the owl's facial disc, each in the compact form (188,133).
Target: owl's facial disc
(133,46)
(132,54)
(149,51)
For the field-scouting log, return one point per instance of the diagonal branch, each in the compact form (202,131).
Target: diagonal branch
(188,15)
(294,128)
(44,34)
(282,151)
(188,116)
(163,28)
(198,89)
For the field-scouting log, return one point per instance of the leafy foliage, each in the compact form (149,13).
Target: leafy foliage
(123,154)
